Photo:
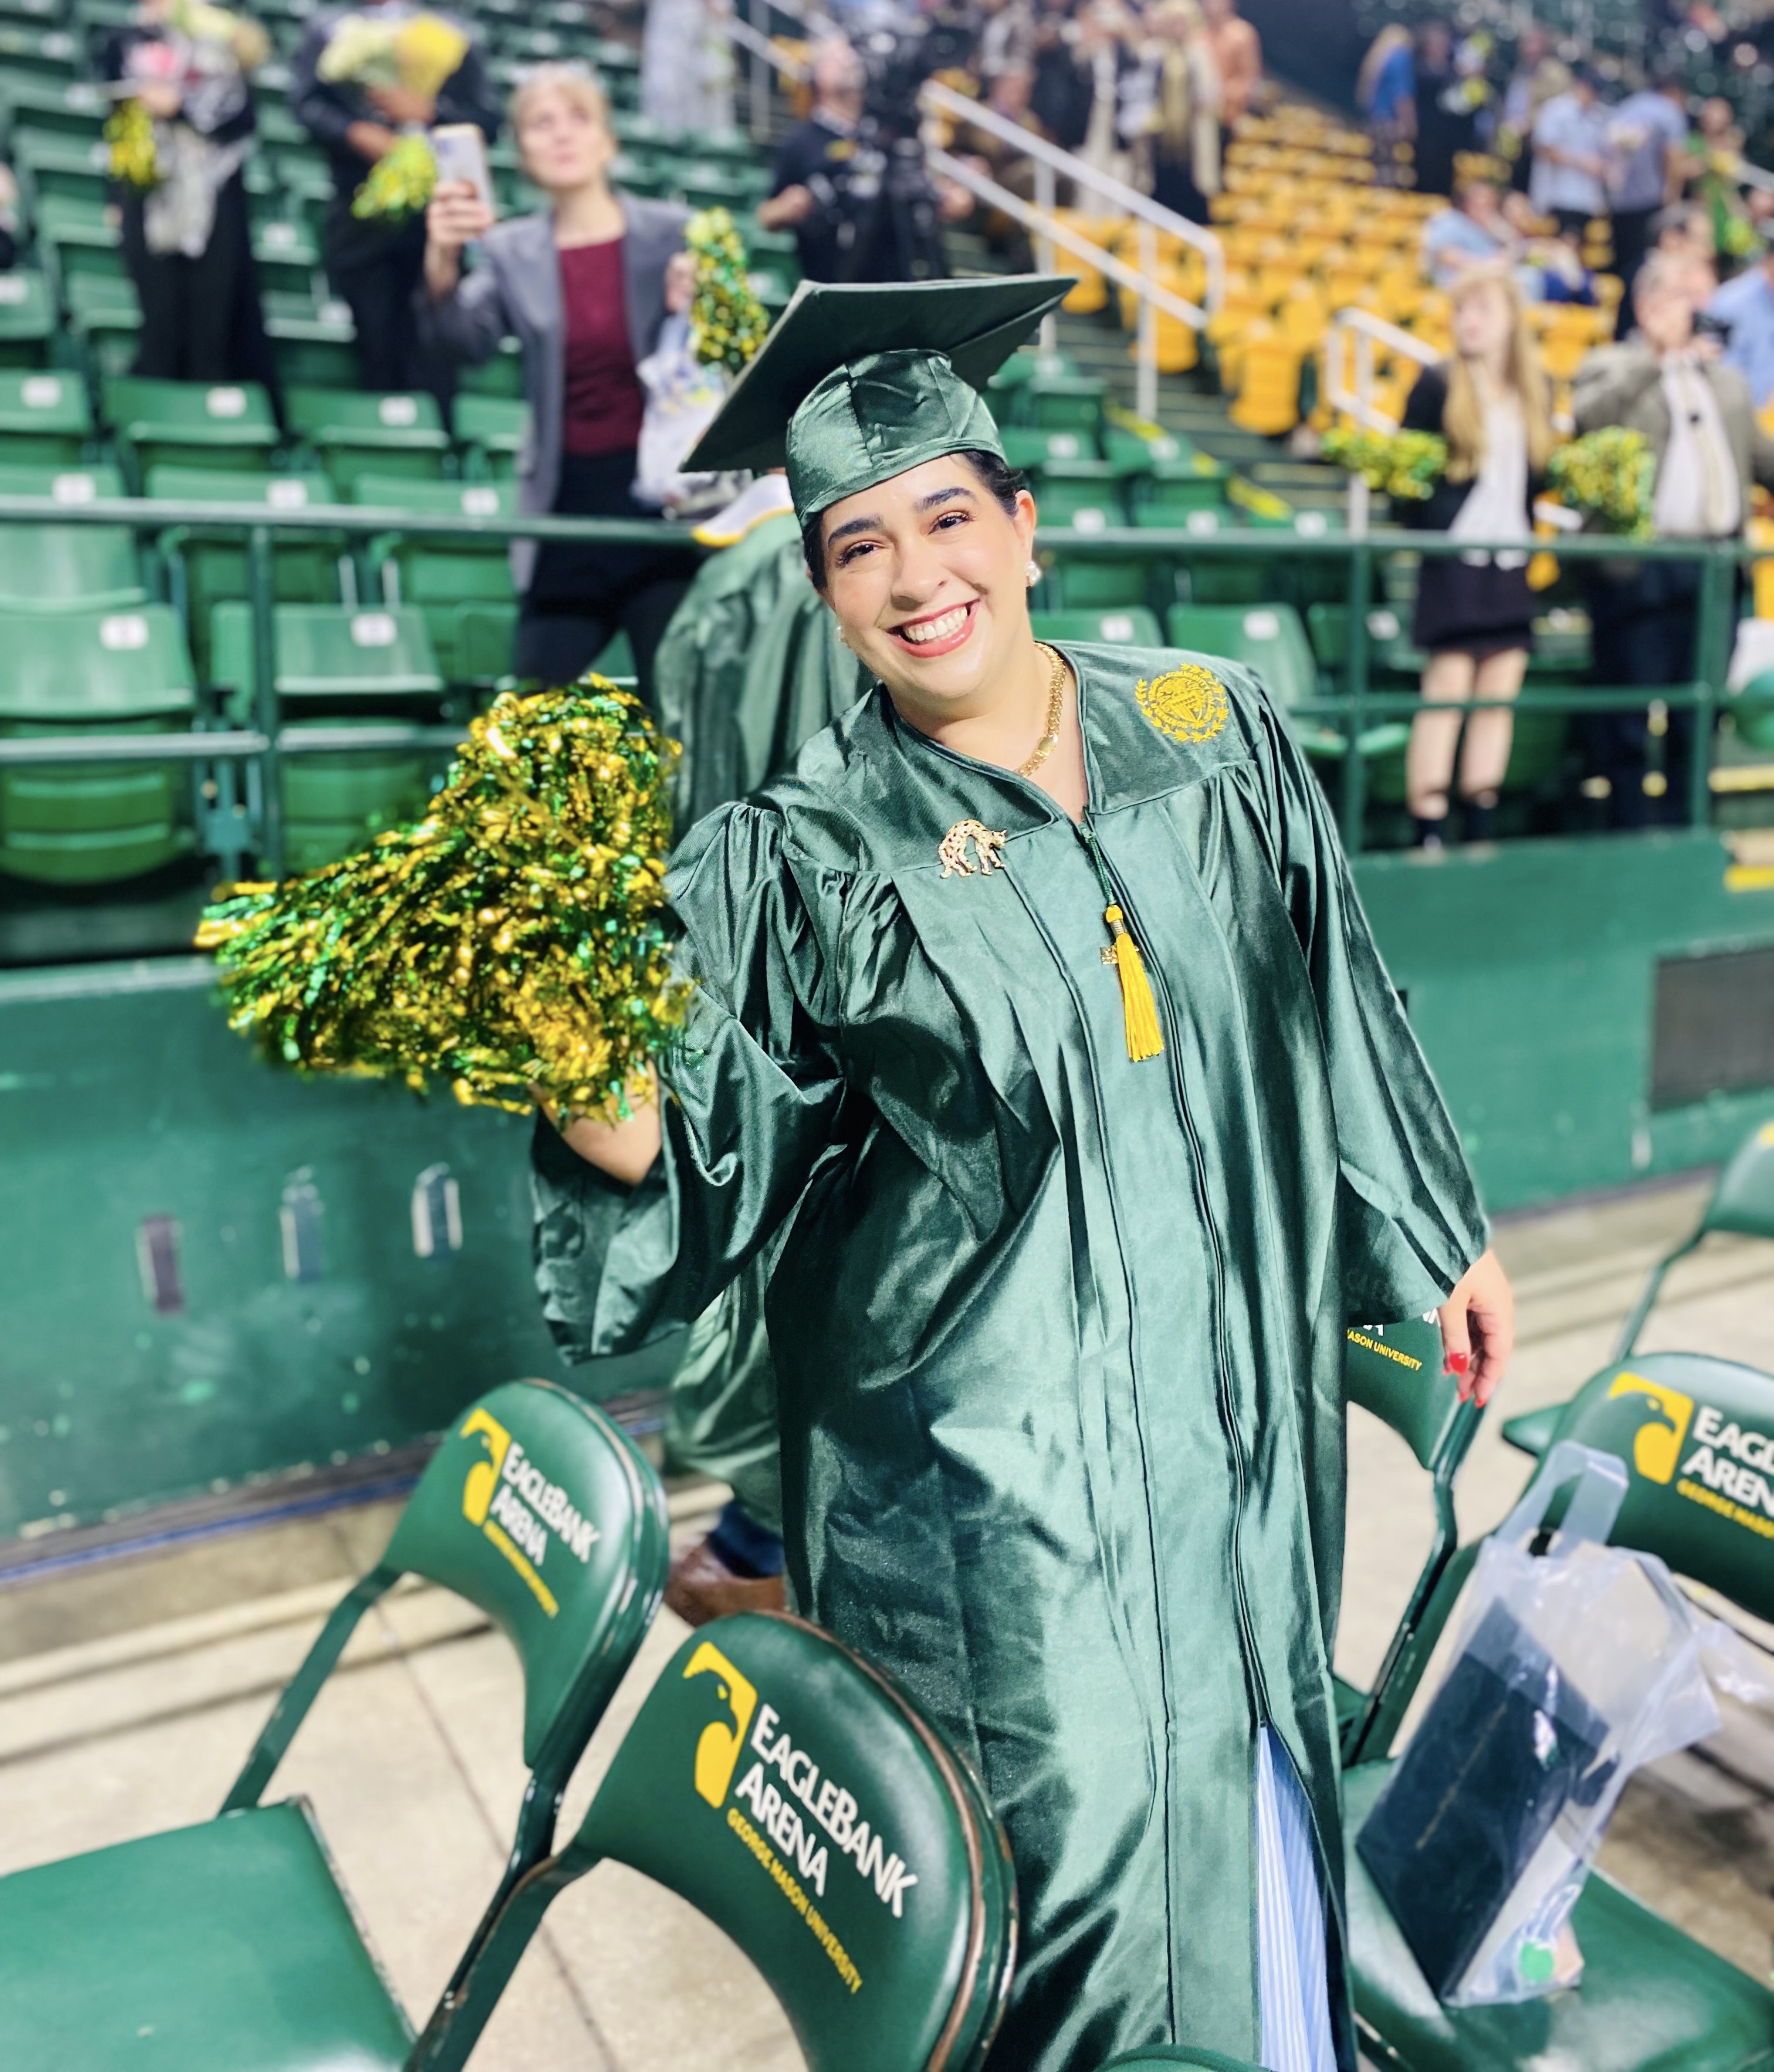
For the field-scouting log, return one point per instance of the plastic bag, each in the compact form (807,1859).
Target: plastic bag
(682,395)
(1573,1669)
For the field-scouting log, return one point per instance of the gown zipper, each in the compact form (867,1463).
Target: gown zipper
(1114,893)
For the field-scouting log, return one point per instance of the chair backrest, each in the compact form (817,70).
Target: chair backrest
(540,1511)
(1696,1435)
(45,566)
(340,412)
(43,403)
(1131,625)
(1395,1371)
(1743,1200)
(93,664)
(136,405)
(1269,637)
(65,485)
(170,484)
(444,500)
(793,1794)
(331,651)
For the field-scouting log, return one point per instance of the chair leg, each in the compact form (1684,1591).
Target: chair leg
(1648,1295)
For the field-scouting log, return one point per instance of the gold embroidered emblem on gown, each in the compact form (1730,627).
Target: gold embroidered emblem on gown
(1187,703)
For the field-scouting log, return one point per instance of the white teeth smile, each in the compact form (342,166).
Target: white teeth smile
(935,629)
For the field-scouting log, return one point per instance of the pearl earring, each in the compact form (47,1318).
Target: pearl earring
(1033,573)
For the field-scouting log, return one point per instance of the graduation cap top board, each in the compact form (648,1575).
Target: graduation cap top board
(857,383)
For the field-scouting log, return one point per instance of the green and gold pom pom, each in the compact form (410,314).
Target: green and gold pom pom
(1406,465)
(516,936)
(727,321)
(135,157)
(399,183)
(1609,474)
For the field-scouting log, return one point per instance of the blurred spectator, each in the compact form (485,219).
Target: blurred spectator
(1715,159)
(1447,120)
(187,239)
(1119,107)
(1746,305)
(1060,102)
(1386,92)
(1186,109)
(1474,611)
(1571,155)
(375,265)
(1237,51)
(1007,40)
(802,196)
(9,219)
(1695,413)
(1537,76)
(686,68)
(584,284)
(1001,160)
(1559,263)
(1645,137)
(1685,232)
(1473,231)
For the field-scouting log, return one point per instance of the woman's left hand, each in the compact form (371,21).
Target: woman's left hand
(161,98)
(680,283)
(1478,1328)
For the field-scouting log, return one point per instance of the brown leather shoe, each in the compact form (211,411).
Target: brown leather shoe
(702,1587)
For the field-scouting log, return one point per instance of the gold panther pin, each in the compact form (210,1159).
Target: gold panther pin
(1188,704)
(951,852)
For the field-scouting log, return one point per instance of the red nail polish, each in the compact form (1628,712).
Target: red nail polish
(1458,1363)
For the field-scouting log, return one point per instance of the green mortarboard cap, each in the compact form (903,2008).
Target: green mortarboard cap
(857,383)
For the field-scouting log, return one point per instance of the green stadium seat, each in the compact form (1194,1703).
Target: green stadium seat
(1651,1997)
(314,343)
(44,418)
(27,319)
(1270,639)
(447,579)
(1062,403)
(673,1806)
(1134,627)
(106,317)
(1078,582)
(56,568)
(190,424)
(333,803)
(208,568)
(75,237)
(234,1943)
(72,108)
(372,655)
(54,161)
(287,256)
(492,429)
(99,672)
(1083,496)
(1172,490)
(67,485)
(502,375)
(50,56)
(353,433)
(1138,453)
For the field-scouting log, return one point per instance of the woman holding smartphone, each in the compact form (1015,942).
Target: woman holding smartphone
(585,284)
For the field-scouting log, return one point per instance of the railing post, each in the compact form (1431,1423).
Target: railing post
(760,75)
(261,584)
(1354,801)
(1713,627)
(1147,385)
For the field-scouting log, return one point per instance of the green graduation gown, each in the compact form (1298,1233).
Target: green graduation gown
(1059,1336)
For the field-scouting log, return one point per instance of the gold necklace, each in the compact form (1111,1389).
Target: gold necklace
(1056,708)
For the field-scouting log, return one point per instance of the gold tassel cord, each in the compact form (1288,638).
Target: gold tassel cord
(1139,1009)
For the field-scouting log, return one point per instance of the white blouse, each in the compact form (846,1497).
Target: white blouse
(1496,505)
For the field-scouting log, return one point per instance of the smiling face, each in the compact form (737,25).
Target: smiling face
(566,144)
(928,576)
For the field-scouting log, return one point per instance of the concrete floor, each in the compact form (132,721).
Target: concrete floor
(130,1693)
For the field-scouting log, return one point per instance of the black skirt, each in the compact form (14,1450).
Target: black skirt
(1476,611)
(595,581)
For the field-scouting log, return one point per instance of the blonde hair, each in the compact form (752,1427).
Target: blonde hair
(1462,419)
(573,83)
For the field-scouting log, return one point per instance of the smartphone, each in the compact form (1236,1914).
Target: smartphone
(1707,325)
(460,153)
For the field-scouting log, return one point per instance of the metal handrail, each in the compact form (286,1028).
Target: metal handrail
(1130,201)
(1153,295)
(1365,330)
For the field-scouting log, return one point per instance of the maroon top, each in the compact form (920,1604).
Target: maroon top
(604,399)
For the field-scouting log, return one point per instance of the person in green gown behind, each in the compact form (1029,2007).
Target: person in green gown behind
(1038,1038)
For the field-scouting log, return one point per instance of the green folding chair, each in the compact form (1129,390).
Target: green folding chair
(44,418)
(1083,496)
(86,484)
(234,1943)
(1652,2000)
(793,1795)
(1032,451)
(92,671)
(61,568)
(348,654)
(104,318)
(1132,625)
(313,343)
(491,430)
(1062,403)
(218,425)
(1396,1372)
(1174,488)
(353,433)
(1741,1205)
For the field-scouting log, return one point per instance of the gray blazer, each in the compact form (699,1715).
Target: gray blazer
(1623,384)
(516,290)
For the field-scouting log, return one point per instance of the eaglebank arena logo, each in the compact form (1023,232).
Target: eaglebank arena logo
(806,1817)
(1731,1469)
(518,1508)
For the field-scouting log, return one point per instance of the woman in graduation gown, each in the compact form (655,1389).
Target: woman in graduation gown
(1037,1036)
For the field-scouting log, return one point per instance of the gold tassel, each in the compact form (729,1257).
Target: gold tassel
(1145,1039)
